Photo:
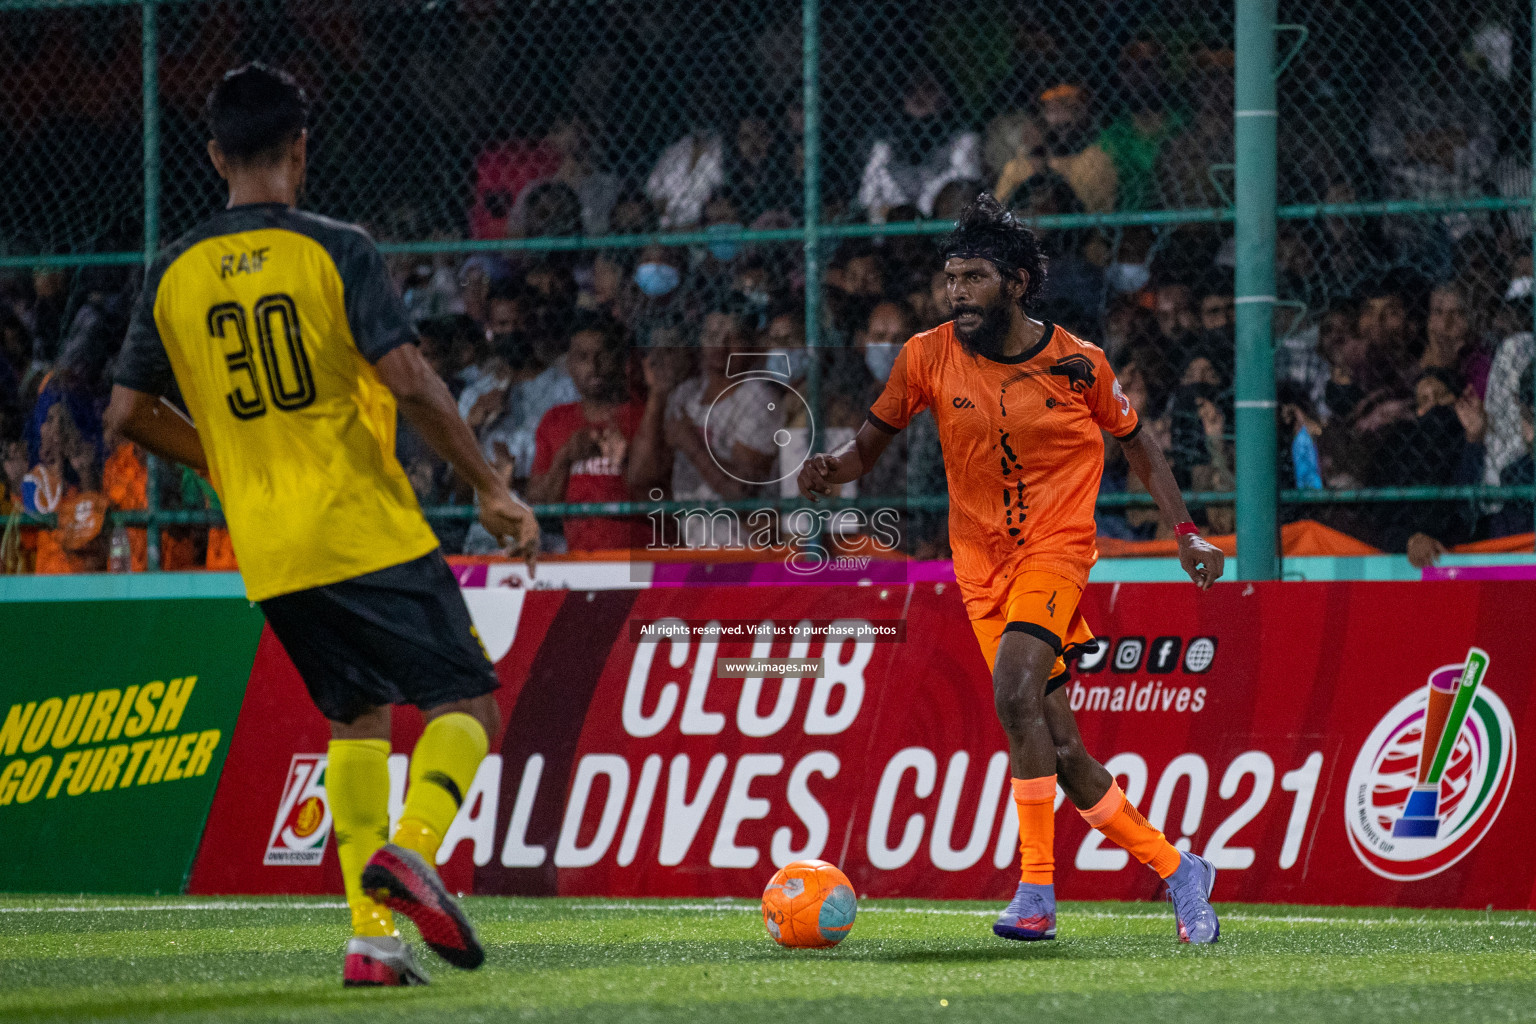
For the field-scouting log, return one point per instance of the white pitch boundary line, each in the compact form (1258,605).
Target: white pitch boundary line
(1256,918)
(162,907)
(1292,919)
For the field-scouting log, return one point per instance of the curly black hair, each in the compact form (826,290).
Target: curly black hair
(987,231)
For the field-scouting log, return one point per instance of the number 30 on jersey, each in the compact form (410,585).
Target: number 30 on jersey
(285,368)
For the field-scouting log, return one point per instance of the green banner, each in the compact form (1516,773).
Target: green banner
(115,717)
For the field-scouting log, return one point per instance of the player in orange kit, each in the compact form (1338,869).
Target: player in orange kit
(1020,406)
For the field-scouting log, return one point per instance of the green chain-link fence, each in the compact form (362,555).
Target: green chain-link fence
(792,163)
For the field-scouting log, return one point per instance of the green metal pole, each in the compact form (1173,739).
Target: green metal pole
(1257,514)
(1531,213)
(151,80)
(810,12)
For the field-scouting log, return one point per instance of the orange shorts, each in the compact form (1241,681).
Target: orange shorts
(1044,605)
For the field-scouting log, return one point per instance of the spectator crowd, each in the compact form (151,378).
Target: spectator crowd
(603,375)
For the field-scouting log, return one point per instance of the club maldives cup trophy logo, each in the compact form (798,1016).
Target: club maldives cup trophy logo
(1431,778)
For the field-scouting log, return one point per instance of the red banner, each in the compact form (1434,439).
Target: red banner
(1278,729)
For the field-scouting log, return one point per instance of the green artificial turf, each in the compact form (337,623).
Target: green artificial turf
(94,958)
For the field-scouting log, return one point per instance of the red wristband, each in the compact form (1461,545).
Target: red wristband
(1184,529)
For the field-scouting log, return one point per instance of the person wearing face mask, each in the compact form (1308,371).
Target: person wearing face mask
(889,326)
(853,377)
(713,265)
(785,336)
(1131,268)
(658,279)
(1126,276)
(918,463)
(755,288)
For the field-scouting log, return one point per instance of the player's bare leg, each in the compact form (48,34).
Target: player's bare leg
(1019,677)
(401,875)
(1082,777)
(1093,791)
(482,709)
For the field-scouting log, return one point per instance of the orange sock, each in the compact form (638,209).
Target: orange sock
(1036,799)
(1118,820)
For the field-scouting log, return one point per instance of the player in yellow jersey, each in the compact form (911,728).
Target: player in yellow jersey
(283,337)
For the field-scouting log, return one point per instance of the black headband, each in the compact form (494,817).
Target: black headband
(1003,266)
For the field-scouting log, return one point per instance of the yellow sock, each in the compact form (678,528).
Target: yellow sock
(357,786)
(442,767)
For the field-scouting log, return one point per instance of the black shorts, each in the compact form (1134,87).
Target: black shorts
(401,635)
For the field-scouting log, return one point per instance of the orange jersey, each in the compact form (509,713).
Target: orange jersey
(1023,452)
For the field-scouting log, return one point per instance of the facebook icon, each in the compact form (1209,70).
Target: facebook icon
(1165,655)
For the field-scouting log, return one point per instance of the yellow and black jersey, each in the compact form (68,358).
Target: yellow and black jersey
(269,321)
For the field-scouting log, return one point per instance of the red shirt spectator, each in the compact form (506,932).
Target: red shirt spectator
(599,476)
(501,174)
(581,449)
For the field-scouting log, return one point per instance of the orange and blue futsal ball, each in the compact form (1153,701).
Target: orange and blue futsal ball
(809,905)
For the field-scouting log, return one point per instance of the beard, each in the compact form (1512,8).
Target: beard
(988,337)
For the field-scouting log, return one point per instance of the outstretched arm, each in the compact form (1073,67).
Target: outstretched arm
(821,473)
(1199,557)
(426,402)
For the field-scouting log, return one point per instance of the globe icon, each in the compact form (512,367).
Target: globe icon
(1202,651)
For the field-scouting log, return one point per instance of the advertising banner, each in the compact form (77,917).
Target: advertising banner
(1343,743)
(110,749)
